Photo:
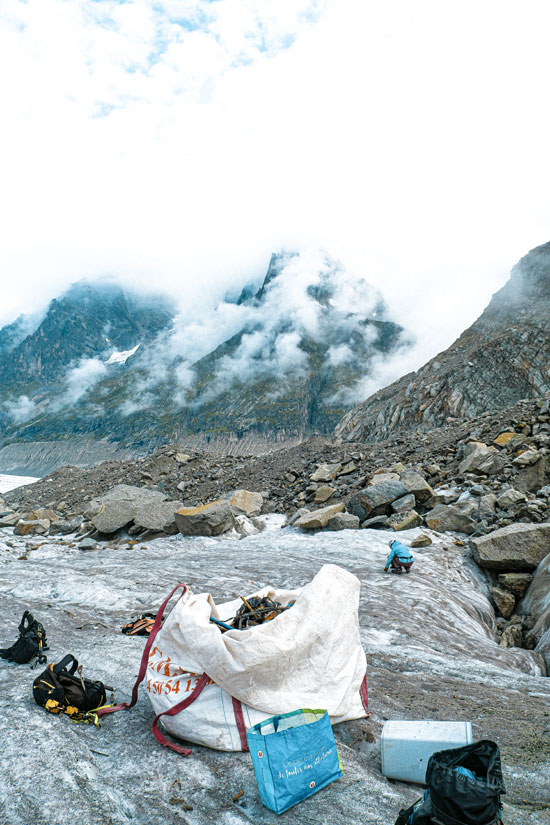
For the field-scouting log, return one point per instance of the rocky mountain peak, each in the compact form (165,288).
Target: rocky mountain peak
(502,358)
(89,319)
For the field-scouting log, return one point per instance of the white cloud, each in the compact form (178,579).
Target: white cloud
(79,381)
(340,354)
(177,143)
(21,409)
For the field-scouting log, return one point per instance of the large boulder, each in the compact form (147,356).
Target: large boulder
(34,527)
(158,516)
(65,527)
(376,499)
(318,519)
(445,517)
(517,547)
(481,459)
(401,505)
(118,506)
(250,504)
(534,476)
(9,519)
(343,521)
(417,485)
(487,506)
(205,520)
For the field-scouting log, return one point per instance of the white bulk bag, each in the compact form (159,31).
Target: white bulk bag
(309,656)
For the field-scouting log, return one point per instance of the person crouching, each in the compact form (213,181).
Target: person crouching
(400,558)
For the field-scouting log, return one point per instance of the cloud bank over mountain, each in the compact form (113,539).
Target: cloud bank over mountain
(280,358)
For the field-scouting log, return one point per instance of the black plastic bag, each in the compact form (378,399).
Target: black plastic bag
(31,642)
(457,796)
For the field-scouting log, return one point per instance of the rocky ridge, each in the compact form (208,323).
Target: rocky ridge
(500,359)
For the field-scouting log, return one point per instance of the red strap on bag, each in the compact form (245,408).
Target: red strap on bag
(201,684)
(239,719)
(144,658)
(365,695)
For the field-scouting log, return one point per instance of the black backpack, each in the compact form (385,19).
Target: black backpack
(464,788)
(31,642)
(62,689)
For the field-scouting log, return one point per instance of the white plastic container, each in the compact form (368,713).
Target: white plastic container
(407,746)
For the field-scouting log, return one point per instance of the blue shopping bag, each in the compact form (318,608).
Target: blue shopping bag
(294,755)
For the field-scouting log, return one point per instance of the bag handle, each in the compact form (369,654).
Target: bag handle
(26,622)
(199,687)
(62,665)
(145,657)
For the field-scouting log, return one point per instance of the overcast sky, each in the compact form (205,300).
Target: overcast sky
(177,143)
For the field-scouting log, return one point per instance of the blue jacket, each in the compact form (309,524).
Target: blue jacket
(403,553)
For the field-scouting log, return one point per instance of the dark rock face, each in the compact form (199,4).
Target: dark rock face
(500,359)
(86,321)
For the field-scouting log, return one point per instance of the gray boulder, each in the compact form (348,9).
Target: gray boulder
(158,516)
(401,505)
(117,508)
(445,517)
(509,498)
(88,544)
(9,519)
(376,499)
(343,521)
(481,459)
(446,496)
(487,505)
(302,511)
(527,458)
(517,547)
(65,527)
(318,519)
(205,520)
(417,485)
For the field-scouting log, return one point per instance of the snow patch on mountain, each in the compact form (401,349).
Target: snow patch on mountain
(121,357)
